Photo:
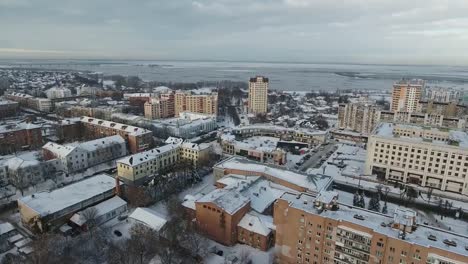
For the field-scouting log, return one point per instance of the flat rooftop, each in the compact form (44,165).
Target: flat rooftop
(46,203)
(313,183)
(280,128)
(387,130)
(375,222)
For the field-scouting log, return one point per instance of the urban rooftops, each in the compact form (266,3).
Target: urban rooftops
(423,134)
(387,225)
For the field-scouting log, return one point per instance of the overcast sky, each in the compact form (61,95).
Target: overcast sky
(362,31)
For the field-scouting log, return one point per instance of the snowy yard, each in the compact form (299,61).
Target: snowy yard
(257,256)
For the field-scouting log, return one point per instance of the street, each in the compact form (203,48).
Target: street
(315,158)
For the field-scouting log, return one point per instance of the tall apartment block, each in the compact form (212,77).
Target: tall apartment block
(159,108)
(406,95)
(188,101)
(306,232)
(361,117)
(258,95)
(430,157)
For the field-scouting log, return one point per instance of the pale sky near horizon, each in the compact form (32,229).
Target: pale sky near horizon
(360,31)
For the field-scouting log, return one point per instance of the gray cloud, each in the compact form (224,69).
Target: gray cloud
(377,31)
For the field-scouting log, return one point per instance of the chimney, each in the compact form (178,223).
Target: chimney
(117,185)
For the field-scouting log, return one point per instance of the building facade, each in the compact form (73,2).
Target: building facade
(140,167)
(310,138)
(429,157)
(138,139)
(187,125)
(159,108)
(28,101)
(188,101)
(19,136)
(359,117)
(258,95)
(307,234)
(57,92)
(436,120)
(406,94)
(78,157)
(448,109)
(443,95)
(267,154)
(8,108)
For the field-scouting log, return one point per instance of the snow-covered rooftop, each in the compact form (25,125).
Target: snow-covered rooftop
(101,142)
(423,134)
(230,200)
(269,127)
(102,208)
(132,130)
(312,183)
(5,228)
(142,157)
(10,127)
(254,224)
(45,203)
(149,218)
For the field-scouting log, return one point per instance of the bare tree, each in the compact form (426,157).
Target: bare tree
(90,214)
(137,196)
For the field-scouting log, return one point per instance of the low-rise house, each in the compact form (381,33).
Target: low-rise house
(104,212)
(48,210)
(148,218)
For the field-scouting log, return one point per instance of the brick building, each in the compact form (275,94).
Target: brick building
(219,213)
(19,136)
(8,108)
(138,139)
(308,234)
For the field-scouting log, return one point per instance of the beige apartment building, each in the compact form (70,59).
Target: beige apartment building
(429,157)
(159,108)
(188,101)
(361,117)
(406,94)
(258,95)
(137,168)
(307,233)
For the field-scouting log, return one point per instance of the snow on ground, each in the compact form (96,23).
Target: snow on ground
(59,181)
(429,217)
(292,160)
(257,256)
